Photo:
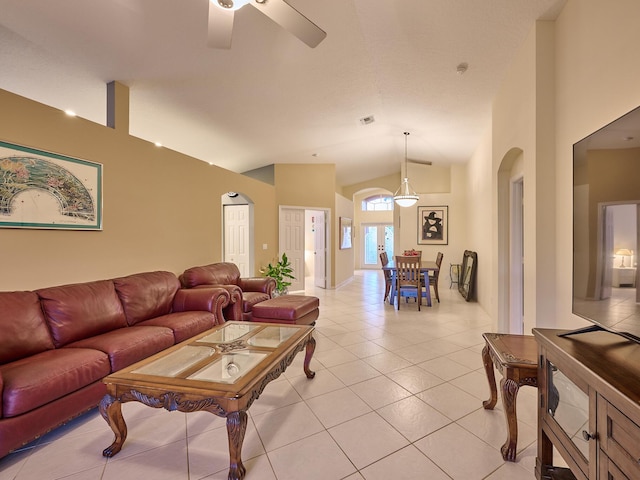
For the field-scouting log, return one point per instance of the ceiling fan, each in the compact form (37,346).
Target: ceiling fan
(221,14)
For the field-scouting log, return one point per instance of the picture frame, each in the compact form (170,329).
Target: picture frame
(45,190)
(433,225)
(346,233)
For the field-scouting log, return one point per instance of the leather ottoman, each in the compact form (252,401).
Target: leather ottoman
(288,309)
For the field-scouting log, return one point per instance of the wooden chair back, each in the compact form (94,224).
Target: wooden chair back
(408,277)
(384,260)
(433,279)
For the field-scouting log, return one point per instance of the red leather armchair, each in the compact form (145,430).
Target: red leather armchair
(244,292)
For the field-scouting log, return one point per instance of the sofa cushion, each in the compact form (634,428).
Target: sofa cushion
(223,273)
(184,324)
(146,295)
(39,379)
(249,299)
(74,312)
(128,345)
(23,331)
(287,307)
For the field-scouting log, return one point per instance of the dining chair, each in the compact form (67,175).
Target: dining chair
(409,282)
(384,260)
(433,279)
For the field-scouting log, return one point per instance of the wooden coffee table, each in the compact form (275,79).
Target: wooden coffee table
(222,371)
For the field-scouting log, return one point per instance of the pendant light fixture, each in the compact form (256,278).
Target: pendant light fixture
(405,196)
(231,4)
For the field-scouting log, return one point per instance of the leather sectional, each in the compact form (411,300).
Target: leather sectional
(58,343)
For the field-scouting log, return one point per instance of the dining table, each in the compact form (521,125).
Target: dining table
(426,266)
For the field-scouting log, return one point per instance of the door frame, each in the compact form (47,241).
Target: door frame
(516,257)
(239,199)
(327,237)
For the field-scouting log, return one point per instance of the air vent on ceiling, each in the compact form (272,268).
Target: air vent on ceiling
(367,120)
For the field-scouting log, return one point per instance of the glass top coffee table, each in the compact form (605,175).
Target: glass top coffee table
(221,371)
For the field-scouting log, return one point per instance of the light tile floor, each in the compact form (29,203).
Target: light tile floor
(397,394)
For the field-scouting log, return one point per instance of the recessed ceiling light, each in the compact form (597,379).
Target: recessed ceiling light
(462,68)
(314,155)
(367,120)
(71,113)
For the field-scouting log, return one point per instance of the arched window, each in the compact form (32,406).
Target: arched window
(377,203)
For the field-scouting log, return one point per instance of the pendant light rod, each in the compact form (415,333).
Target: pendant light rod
(405,196)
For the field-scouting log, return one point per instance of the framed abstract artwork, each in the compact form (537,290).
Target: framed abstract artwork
(346,226)
(40,189)
(433,225)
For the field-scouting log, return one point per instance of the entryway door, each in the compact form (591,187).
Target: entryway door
(376,238)
(236,237)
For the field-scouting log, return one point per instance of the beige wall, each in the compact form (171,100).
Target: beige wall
(314,186)
(597,81)
(570,78)
(161,209)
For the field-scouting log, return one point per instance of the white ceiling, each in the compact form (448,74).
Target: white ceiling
(271,98)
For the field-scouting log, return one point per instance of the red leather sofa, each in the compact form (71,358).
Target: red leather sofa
(244,292)
(58,343)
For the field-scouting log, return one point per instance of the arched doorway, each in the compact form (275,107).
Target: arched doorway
(511,242)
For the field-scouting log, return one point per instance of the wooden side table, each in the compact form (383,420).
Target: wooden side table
(515,357)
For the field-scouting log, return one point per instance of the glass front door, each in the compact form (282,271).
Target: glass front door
(376,238)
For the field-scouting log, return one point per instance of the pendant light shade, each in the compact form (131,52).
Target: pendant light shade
(405,196)
(231,4)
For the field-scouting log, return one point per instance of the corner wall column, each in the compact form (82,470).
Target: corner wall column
(118,106)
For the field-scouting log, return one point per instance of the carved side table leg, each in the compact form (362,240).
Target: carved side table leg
(310,348)
(491,378)
(111,411)
(236,428)
(509,395)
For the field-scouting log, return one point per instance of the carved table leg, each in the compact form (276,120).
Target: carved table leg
(310,348)
(111,411)
(491,377)
(509,395)
(236,428)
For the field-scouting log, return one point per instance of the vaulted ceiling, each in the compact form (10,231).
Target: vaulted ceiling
(270,98)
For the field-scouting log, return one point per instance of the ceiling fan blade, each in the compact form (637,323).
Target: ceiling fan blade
(292,20)
(220,27)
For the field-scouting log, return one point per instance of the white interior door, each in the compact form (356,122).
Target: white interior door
(320,251)
(236,237)
(292,243)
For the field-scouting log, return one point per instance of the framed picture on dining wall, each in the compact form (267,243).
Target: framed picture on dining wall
(433,225)
(40,189)
(346,225)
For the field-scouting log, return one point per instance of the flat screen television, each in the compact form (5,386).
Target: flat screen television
(606,200)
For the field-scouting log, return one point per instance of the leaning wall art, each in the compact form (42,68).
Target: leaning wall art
(45,190)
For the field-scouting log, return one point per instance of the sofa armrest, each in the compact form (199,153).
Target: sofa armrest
(258,284)
(209,299)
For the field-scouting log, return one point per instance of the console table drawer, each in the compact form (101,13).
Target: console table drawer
(619,438)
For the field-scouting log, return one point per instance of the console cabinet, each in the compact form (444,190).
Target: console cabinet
(589,406)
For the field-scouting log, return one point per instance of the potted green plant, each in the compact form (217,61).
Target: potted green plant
(281,271)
